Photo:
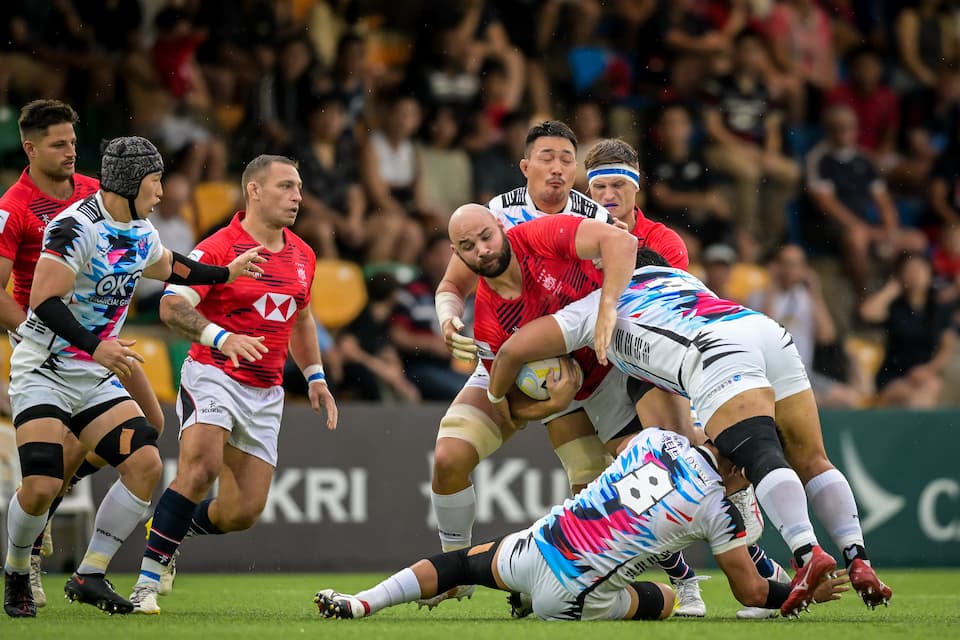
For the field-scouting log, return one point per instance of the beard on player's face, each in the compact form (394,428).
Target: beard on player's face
(493,265)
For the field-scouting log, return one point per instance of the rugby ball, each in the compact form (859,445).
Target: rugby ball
(532,379)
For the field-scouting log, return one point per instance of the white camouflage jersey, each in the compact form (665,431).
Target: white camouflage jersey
(109,258)
(516,207)
(663,317)
(659,496)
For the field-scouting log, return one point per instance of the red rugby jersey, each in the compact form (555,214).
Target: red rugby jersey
(25,211)
(552,277)
(662,239)
(266,306)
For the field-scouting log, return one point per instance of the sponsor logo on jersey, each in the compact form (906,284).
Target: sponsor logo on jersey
(276,306)
(4,216)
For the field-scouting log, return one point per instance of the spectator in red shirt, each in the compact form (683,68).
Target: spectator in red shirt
(876,105)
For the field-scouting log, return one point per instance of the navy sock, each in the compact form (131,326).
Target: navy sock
(201,524)
(676,567)
(170,523)
(763,563)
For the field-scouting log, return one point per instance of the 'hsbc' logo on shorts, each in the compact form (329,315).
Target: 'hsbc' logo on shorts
(276,306)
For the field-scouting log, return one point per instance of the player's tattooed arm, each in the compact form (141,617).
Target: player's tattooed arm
(177,313)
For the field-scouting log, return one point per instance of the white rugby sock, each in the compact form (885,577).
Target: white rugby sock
(119,514)
(22,531)
(781,495)
(833,502)
(401,587)
(455,515)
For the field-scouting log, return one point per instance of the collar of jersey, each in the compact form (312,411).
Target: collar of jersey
(106,214)
(532,205)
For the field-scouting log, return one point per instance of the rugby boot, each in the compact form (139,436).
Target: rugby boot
(867,585)
(95,589)
(340,605)
(805,582)
(17,596)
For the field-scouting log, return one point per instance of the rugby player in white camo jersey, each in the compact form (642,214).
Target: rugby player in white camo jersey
(744,374)
(63,373)
(582,560)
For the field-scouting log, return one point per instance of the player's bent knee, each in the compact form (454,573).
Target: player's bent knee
(472,425)
(239,521)
(654,600)
(754,445)
(583,459)
(146,464)
(126,438)
(466,566)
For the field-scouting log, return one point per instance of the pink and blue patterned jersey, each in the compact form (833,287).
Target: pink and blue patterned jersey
(109,258)
(659,496)
(663,320)
(516,207)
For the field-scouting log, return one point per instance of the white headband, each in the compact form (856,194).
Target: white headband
(618,169)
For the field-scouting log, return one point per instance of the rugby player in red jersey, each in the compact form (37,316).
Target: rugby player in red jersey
(231,399)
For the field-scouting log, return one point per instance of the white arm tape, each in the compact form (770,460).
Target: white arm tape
(182,290)
(449,305)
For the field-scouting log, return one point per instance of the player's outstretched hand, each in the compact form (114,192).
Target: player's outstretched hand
(238,346)
(113,355)
(461,347)
(321,398)
(603,332)
(832,588)
(246,263)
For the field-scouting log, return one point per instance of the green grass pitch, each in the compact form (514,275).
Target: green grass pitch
(926,604)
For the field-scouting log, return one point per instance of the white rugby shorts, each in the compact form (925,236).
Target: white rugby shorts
(72,385)
(522,568)
(609,408)
(754,352)
(479,378)
(251,414)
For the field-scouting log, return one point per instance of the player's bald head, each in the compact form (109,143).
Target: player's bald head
(469,218)
(479,240)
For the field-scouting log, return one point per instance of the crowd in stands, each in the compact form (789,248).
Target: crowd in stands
(808,151)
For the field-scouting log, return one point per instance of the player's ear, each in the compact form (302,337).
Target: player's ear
(28,147)
(524,163)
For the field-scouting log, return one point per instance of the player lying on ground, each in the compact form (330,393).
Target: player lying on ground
(581,561)
(745,377)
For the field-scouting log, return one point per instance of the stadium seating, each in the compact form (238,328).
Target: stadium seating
(213,202)
(156,365)
(866,354)
(339,293)
(746,279)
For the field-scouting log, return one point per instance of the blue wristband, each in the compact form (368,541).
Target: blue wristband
(317,377)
